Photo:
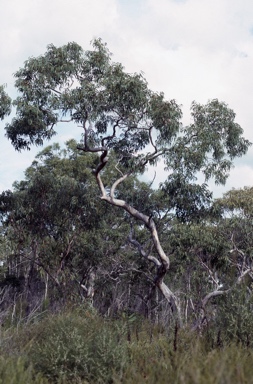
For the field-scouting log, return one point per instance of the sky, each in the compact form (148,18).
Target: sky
(189,49)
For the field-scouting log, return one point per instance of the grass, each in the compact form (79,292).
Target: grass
(78,346)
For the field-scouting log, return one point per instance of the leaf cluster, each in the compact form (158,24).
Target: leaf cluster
(5,103)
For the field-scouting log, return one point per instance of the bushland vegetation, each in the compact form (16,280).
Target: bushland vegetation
(76,345)
(104,278)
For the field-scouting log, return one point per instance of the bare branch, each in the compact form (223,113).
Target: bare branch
(116,183)
(218,292)
(213,294)
(54,90)
(117,169)
(151,139)
(141,250)
(113,134)
(101,186)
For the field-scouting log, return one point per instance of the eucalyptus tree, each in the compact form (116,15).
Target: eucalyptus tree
(237,209)
(119,115)
(212,260)
(234,282)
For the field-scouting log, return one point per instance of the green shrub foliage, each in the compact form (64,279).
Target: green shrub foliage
(80,347)
(70,347)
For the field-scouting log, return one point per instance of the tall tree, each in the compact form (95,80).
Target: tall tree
(119,115)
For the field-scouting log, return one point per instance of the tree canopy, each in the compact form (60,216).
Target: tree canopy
(116,110)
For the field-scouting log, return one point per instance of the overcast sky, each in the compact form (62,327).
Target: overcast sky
(189,49)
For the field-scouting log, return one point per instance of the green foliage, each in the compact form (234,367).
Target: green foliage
(54,220)
(77,346)
(73,347)
(70,347)
(239,202)
(5,103)
(190,201)
(120,114)
(235,317)
(55,223)
(54,215)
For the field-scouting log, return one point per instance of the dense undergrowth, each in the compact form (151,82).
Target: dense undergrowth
(79,346)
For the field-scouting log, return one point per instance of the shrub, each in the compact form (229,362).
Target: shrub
(71,348)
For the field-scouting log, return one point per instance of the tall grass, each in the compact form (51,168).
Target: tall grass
(157,362)
(79,346)
(16,371)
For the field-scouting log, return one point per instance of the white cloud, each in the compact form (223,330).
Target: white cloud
(191,50)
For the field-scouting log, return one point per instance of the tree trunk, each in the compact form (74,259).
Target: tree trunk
(161,262)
